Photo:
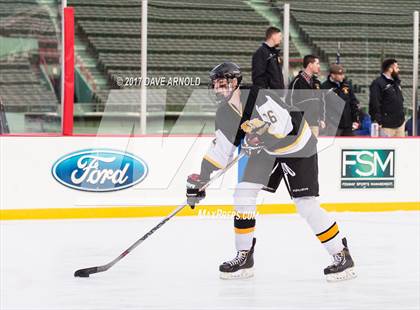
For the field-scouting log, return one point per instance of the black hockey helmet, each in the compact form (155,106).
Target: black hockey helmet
(228,70)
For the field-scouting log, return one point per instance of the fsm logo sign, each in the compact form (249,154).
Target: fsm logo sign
(367,168)
(99,170)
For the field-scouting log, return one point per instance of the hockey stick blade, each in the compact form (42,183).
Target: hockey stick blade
(86,272)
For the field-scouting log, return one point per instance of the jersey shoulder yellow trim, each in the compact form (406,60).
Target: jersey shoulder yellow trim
(294,143)
(277,135)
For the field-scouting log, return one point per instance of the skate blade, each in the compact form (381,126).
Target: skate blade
(240,274)
(347,274)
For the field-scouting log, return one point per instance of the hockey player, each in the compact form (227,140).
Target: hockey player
(281,146)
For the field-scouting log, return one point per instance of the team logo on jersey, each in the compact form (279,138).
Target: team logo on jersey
(99,170)
(367,168)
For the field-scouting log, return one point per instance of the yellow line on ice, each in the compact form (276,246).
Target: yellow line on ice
(149,211)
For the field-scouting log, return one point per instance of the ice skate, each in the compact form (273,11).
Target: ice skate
(342,267)
(241,266)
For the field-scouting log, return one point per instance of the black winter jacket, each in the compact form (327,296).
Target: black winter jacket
(341,116)
(307,98)
(267,70)
(386,102)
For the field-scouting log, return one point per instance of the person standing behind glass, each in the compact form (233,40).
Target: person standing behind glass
(304,94)
(386,101)
(340,121)
(267,69)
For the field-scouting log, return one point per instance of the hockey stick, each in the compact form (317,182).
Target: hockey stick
(84,273)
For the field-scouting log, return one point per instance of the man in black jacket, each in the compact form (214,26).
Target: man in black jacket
(267,69)
(340,119)
(301,96)
(386,100)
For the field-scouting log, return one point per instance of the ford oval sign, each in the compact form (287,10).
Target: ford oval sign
(99,170)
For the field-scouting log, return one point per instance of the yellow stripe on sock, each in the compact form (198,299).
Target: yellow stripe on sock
(244,230)
(328,234)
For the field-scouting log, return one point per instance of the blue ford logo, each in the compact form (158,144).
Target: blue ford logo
(99,170)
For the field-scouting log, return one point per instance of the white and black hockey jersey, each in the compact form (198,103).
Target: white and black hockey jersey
(288,134)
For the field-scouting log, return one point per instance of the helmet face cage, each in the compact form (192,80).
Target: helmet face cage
(225,96)
(225,71)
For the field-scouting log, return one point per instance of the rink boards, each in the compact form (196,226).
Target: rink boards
(105,177)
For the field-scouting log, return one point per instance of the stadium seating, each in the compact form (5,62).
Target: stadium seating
(28,19)
(182,38)
(22,86)
(358,6)
(185,38)
(21,89)
(368,31)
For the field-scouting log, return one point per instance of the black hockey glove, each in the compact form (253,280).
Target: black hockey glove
(194,195)
(252,145)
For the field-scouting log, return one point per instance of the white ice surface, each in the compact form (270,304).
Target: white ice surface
(177,267)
